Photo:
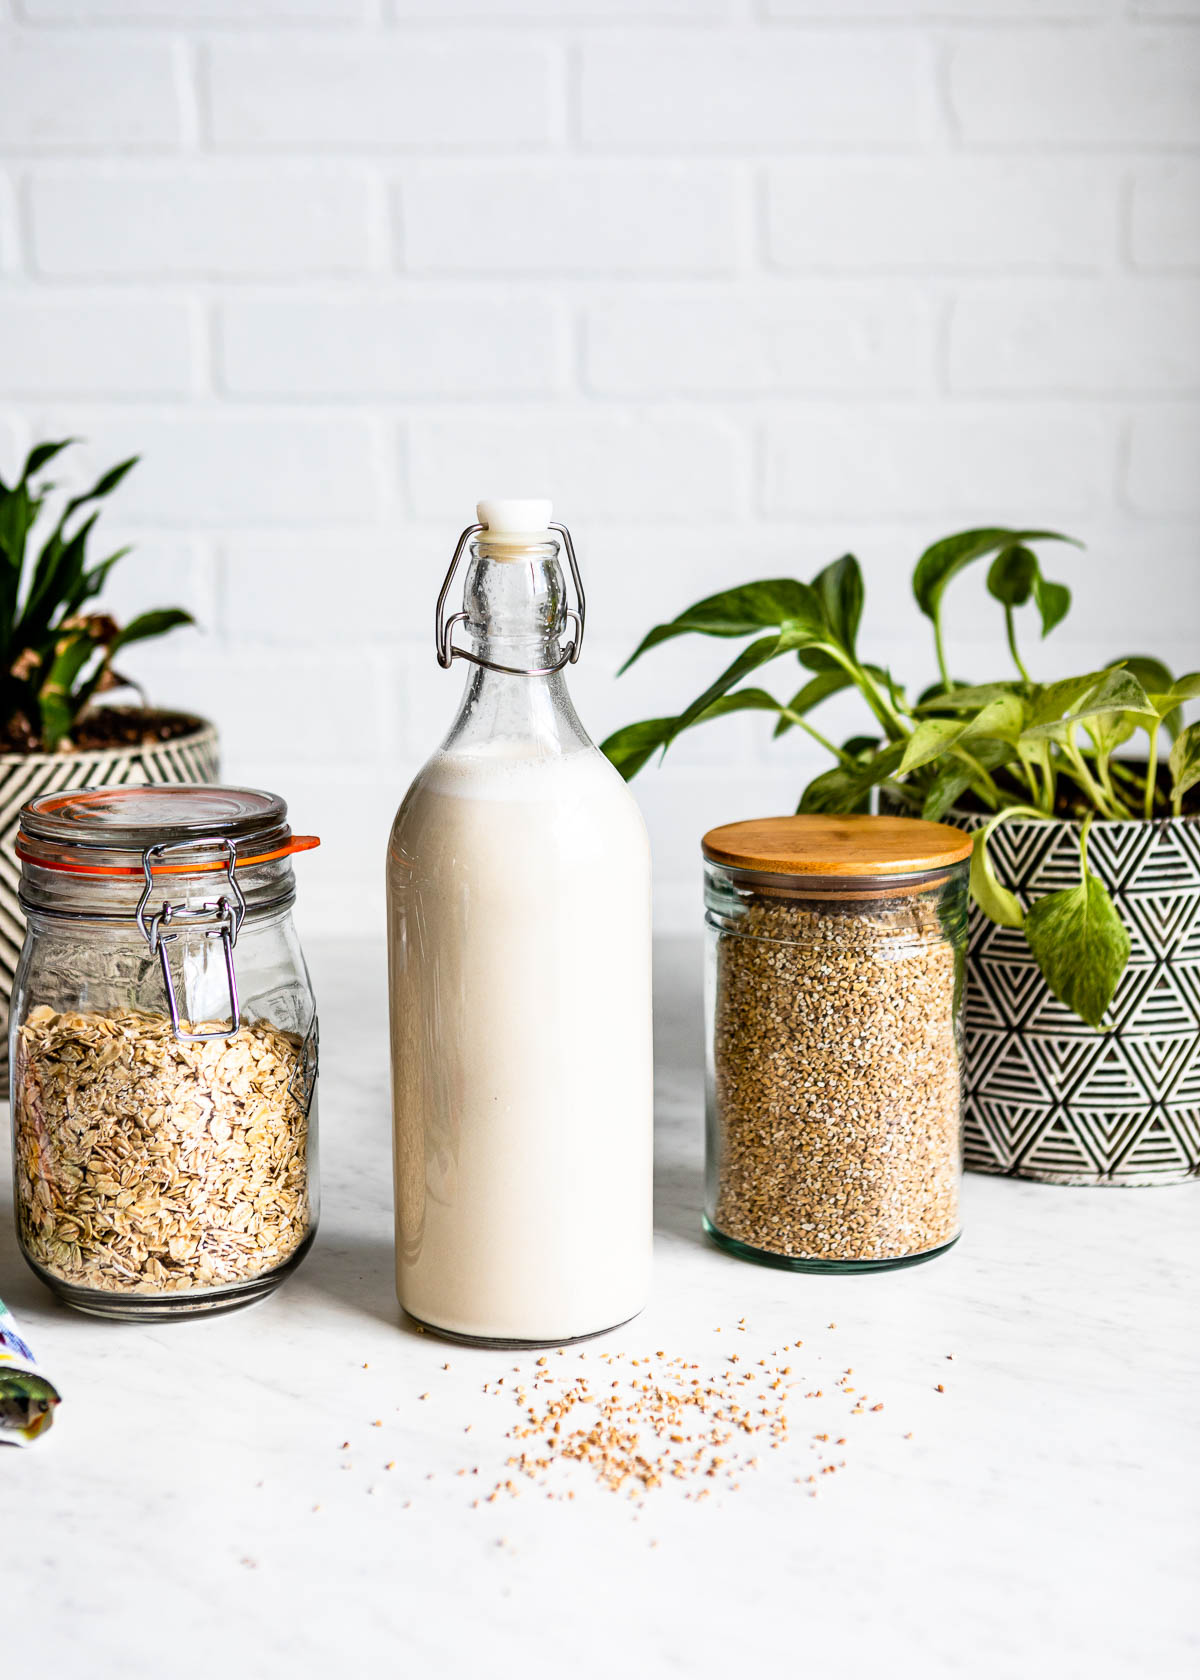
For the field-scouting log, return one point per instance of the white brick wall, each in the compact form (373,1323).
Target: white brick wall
(580,218)
(1165,215)
(948,214)
(223,223)
(88,96)
(89,344)
(365,345)
(415,94)
(743,283)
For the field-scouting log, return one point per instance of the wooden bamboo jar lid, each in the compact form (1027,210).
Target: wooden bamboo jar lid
(837,845)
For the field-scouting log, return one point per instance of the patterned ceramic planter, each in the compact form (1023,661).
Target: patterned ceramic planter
(1048,1097)
(189,758)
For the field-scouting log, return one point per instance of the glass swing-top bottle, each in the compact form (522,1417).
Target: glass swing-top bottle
(518,878)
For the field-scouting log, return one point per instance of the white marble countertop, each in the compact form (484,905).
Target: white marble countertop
(192,1512)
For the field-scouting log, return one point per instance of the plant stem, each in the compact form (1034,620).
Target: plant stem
(1104,768)
(1151,773)
(898,730)
(1010,627)
(941,650)
(1026,773)
(1050,772)
(1084,776)
(821,740)
(987,789)
(1017,811)
(1046,796)
(1043,792)
(887,719)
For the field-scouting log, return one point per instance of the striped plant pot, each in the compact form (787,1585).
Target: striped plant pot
(189,758)
(1046,1096)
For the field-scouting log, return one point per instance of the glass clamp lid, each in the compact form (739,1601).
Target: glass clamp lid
(108,830)
(203,833)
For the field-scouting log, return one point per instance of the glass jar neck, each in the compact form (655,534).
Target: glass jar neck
(515,606)
(266,888)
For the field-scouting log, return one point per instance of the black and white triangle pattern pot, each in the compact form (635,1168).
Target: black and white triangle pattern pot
(188,758)
(1048,1097)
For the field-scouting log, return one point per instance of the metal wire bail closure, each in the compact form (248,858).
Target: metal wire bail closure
(443,629)
(220,918)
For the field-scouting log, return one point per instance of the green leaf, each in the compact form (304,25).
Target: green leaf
(40,454)
(17,514)
(1184,763)
(631,748)
(1053,602)
(839,588)
(1169,705)
(843,789)
(1112,729)
(92,582)
(1015,575)
(744,700)
(945,559)
(750,658)
(815,658)
(141,629)
(59,574)
(740,612)
(149,625)
(1001,719)
(1081,946)
(56,696)
(954,777)
(1186,688)
(861,746)
(104,485)
(56,577)
(1116,690)
(1012,575)
(929,740)
(1051,700)
(1120,691)
(996,901)
(1154,676)
(817,688)
(965,699)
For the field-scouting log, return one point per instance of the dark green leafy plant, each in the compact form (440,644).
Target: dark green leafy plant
(1014,748)
(55,656)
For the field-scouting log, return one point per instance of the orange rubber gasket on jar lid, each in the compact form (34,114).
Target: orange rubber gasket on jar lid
(297,843)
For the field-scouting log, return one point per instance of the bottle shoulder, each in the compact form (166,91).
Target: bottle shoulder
(505,788)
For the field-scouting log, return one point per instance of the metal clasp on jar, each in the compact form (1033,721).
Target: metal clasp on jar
(219,918)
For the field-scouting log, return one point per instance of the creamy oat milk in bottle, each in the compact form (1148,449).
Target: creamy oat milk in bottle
(518,876)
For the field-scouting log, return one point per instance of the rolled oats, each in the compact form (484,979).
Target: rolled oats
(146,1165)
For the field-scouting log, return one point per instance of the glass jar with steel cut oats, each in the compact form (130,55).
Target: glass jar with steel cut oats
(163,1050)
(835,960)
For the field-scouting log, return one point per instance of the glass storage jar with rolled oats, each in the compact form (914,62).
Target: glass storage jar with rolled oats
(836,949)
(163,1050)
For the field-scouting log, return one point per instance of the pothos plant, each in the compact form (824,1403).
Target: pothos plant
(55,656)
(1010,748)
